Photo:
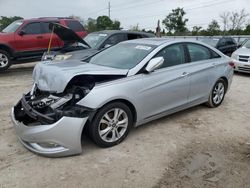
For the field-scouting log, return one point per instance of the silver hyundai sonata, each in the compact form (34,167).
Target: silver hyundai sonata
(125,85)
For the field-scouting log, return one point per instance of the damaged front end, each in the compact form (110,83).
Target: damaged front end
(51,124)
(40,107)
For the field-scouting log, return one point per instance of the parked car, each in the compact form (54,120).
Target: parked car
(79,48)
(226,45)
(126,85)
(25,39)
(241,57)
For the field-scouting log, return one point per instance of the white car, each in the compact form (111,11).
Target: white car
(241,58)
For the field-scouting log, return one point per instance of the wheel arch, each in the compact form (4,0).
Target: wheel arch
(128,103)
(225,80)
(7,49)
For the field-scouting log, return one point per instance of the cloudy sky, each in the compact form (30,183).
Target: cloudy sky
(128,12)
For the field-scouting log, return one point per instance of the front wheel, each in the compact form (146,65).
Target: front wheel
(5,61)
(217,94)
(111,124)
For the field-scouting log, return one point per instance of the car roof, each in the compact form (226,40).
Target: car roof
(49,19)
(152,41)
(161,41)
(110,32)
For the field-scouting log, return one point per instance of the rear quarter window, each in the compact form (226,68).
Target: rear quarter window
(74,25)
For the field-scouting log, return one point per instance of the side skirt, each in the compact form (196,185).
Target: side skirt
(171,111)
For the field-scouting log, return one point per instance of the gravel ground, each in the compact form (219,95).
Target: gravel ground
(199,147)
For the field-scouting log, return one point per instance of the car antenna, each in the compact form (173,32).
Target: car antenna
(50,40)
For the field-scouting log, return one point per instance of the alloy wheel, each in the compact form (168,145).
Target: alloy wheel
(3,60)
(218,93)
(113,125)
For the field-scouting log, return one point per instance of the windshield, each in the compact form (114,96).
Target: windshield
(122,56)
(211,42)
(94,39)
(12,27)
(246,44)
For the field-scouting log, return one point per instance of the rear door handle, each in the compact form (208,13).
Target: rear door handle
(39,37)
(184,74)
(214,64)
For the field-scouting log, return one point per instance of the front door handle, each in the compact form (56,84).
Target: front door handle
(39,37)
(214,64)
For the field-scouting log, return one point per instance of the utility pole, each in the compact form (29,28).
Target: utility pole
(109,8)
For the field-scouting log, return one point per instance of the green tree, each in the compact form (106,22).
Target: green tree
(104,22)
(5,21)
(116,25)
(213,28)
(196,30)
(91,25)
(175,21)
(135,28)
(247,30)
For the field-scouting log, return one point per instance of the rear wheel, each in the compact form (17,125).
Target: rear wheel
(217,94)
(5,61)
(111,124)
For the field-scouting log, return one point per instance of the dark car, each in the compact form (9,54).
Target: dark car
(78,48)
(28,39)
(226,45)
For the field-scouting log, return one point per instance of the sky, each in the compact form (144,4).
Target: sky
(145,13)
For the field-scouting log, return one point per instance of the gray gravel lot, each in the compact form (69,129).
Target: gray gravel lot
(199,147)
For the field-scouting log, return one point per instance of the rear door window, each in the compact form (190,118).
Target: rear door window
(132,36)
(222,42)
(198,52)
(45,27)
(75,25)
(32,28)
(116,38)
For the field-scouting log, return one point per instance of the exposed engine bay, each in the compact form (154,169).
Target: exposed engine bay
(44,107)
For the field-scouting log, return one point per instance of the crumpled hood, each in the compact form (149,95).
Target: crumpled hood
(243,51)
(54,76)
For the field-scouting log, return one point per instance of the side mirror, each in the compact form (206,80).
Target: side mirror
(21,33)
(154,63)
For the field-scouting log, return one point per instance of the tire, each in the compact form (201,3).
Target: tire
(105,134)
(5,61)
(217,94)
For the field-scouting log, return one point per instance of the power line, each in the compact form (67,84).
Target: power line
(142,5)
(204,6)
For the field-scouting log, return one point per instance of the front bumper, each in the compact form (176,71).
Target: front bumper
(62,138)
(242,66)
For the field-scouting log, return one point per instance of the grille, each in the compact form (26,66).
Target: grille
(244,58)
(244,69)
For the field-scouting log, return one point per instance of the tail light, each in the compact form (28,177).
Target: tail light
(231,64)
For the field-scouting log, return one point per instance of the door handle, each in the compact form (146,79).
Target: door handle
(214,64)
(184,74)
(39,37)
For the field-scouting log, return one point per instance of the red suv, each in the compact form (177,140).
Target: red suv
(26,39)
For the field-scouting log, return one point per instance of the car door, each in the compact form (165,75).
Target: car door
(221,45)
(29,37)
(167,87)
(113,40)
(201,71)
(56,42)
(231,46)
